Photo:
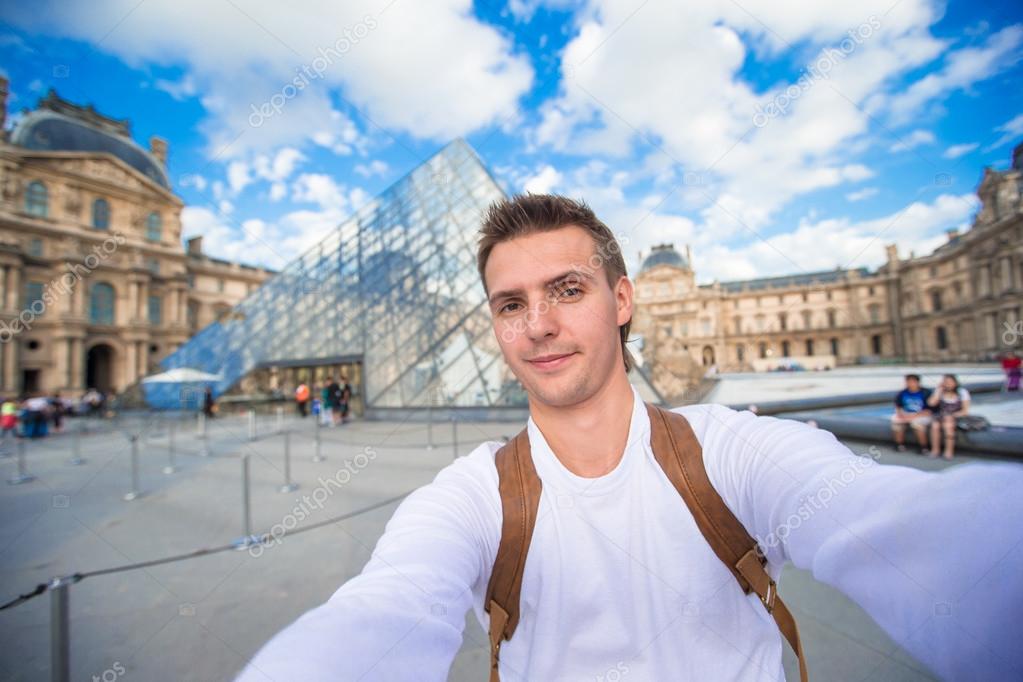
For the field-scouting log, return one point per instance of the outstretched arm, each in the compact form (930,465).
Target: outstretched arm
(935,558)
(402,617)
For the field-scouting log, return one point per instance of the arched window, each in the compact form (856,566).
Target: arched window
(101,214)
(784,349)
(832,318)
(835,347)
(809,346)
(154,227)
(37,200)
(941,338)
(101,303)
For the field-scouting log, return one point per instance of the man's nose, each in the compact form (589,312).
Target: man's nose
(541,321)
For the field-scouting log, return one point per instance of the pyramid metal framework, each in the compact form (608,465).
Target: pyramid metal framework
(395,284)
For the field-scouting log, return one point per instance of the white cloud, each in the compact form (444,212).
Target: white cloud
(320,189)
(374,167)
(280,167)
(278,191)
(543,181)
(612,103)
(918,227)
(179,90)
(912,140)
(962,69)
(432,70)
(1011,131)
(860,195)
(238,176)
(957,150)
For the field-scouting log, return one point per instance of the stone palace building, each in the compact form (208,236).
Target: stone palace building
(95,286)
(960,303)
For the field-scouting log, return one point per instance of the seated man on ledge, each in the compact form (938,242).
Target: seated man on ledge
(911,408)
(604,537)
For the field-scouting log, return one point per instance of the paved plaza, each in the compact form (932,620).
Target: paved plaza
(202,618)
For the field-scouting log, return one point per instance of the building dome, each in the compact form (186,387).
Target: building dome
(46,129)
(664,254)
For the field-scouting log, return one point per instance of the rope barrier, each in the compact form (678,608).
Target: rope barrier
(263,539)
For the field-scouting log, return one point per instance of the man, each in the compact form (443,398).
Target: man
(345,398)
(911,408)
(618,577)
(335,395)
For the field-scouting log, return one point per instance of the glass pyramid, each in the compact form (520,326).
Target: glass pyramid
(395,285)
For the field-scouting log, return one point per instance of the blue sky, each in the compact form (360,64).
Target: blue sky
(771,137)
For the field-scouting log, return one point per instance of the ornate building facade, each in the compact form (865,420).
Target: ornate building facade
(95,285)
(960,303)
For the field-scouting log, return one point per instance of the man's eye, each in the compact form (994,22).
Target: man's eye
(505,307)
(566,291)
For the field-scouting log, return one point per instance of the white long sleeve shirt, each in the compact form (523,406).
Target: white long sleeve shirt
(619,578)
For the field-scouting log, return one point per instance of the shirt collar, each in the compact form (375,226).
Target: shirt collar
(554,474)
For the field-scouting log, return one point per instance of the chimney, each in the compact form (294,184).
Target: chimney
(158,148)
(195,246)
(4,89)
(953,233)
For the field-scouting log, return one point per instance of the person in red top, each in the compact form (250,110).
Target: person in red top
(302,399)
(1011,366)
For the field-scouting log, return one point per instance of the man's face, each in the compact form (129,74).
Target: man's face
(550,299)
(913,385)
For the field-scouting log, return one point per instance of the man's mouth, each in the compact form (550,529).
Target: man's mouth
(552,361)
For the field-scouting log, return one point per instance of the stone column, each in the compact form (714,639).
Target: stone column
(130,364)
(13,288)
(61,352)
(10,362)
(77,376)
(143,355)
(143,310)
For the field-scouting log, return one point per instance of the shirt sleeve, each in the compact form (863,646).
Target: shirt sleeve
(898,399)
(936,559)
(402,617)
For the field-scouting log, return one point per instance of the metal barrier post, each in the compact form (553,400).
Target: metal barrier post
(134,494)
(288,485)
(60,631)
(252,424)
(317,457)
(22,476)
(246,509)
(280,419)
(171,466)
(76,445)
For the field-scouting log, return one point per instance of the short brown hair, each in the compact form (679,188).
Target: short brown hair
(526,214)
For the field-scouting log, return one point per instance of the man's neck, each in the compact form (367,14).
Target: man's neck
(589,439)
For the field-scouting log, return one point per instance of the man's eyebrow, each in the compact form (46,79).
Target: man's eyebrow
(574,273)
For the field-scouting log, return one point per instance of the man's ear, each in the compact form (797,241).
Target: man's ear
(624,292)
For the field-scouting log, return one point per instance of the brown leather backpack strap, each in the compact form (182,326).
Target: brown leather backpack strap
(520,489)
(679,453)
